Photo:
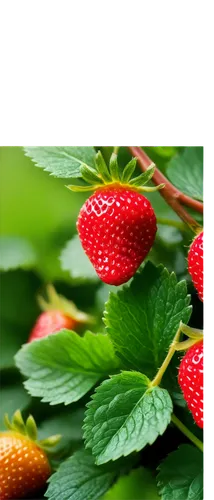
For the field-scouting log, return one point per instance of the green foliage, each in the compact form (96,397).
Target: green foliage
(185,171)
(60,161)
(16,253)
(125,415)
(74,260)
(138,485)
(181,475)
(62,367)
(142,318)
(79,478)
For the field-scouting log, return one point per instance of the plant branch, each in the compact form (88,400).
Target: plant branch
(187,432)
(170,193)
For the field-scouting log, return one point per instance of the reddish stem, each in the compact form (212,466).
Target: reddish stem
(170,193)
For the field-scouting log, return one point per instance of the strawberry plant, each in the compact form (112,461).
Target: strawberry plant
(101,318)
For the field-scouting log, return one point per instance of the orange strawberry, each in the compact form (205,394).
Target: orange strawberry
(24,465)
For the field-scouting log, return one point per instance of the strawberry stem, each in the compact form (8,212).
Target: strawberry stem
(170,193)
(187,432)
(164,366)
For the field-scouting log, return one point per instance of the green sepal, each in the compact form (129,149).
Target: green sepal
(129,170)
(153,189)
(50,442)
(143,178)
(7,422)
(113,167)
(90,175)
(18,422)
(102,168)
(79,189)
(31,428)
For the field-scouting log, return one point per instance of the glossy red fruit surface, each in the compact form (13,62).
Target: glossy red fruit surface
(117,228)
(195,264)
(50,322)
(190,378)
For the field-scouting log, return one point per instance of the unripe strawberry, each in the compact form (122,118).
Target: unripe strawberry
(195,264)
(190,378)
(58,313)
(24,464)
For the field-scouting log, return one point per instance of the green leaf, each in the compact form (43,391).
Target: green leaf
(61,161)
(13,397)
(62,367)
(16,252)
(185,171)
(125,415)
(74,260)
(181,475)
(79,478)
(142,319)
(138,485)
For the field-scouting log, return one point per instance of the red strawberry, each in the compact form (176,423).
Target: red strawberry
(190,378)
(58,313)
(195,264)
(50,322)
(24,465)
(117,228)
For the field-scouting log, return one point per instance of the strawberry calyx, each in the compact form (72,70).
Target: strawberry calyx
(60,303)
(194,336)
(29,430)
(101,175)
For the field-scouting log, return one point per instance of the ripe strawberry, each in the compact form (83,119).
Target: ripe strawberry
(50,322)
(58,313)
(195,264)
(117,228)
(24,465)
(190,379)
